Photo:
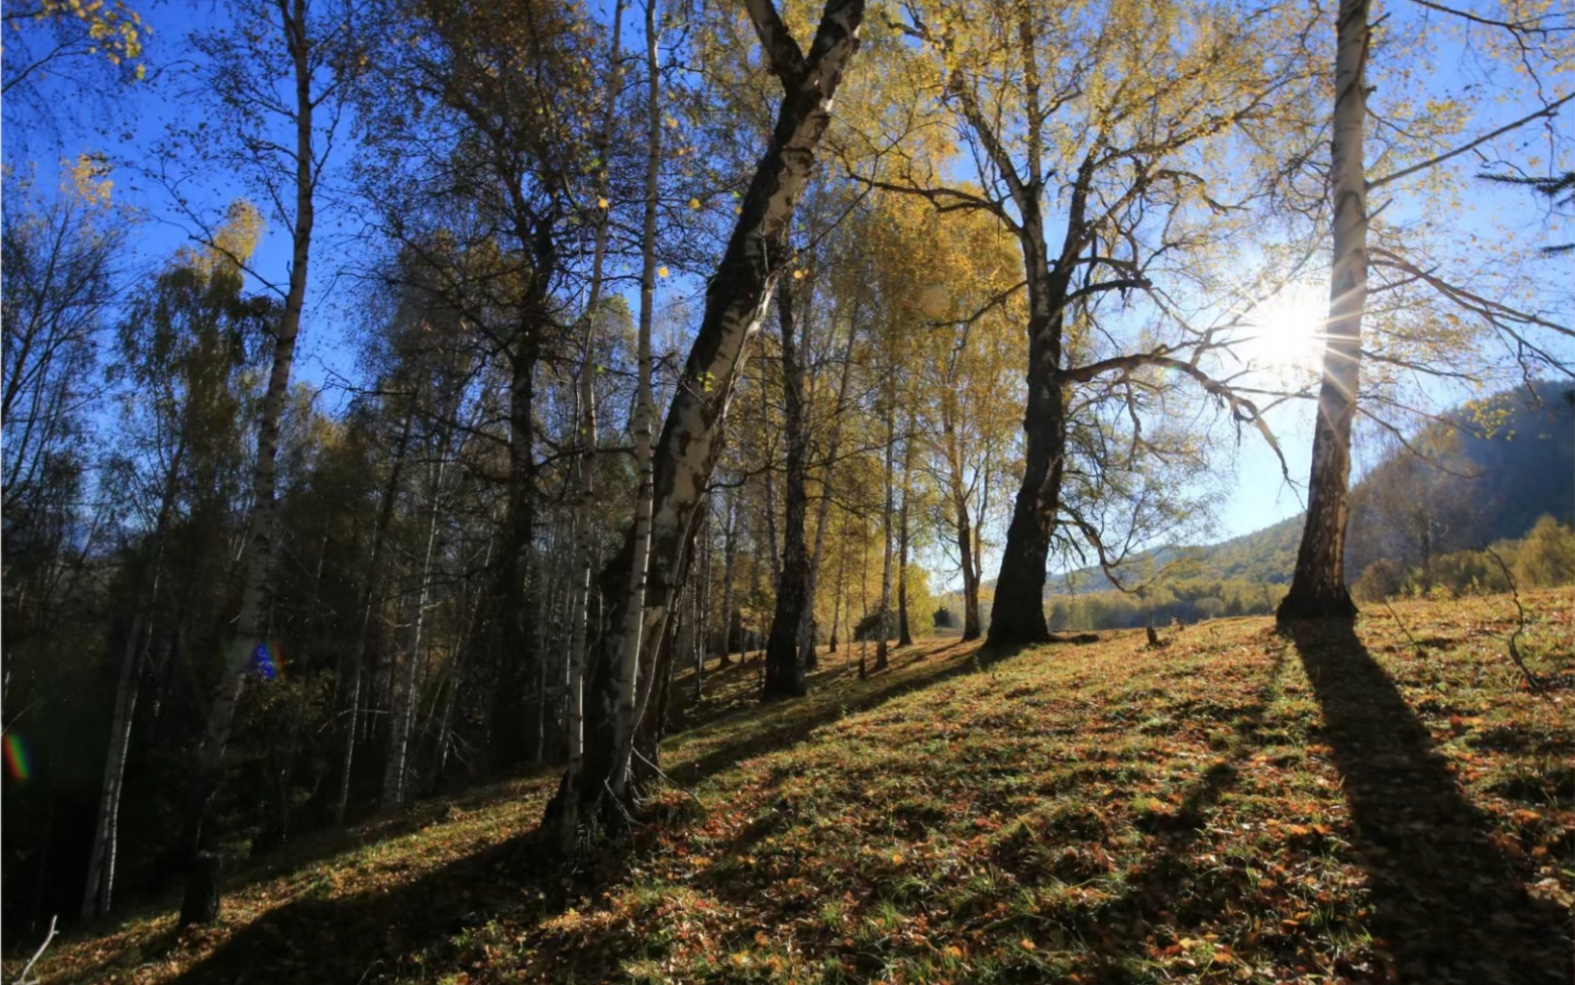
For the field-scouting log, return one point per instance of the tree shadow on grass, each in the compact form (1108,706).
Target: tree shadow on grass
(1447,899)
(375,935)
(790,723)
(371,936)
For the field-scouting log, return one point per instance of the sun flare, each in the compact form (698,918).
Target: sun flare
(1285,334)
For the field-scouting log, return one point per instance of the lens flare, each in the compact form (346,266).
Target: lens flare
(262,662)
(17,761)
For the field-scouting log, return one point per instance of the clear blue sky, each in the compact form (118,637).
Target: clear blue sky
(1260,496)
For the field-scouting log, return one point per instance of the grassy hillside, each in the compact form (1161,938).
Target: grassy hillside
(1237,806)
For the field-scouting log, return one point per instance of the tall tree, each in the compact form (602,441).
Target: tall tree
(1318,586)
(737,298)
(246,70)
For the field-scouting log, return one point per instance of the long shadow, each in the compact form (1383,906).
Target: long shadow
(1447,900)
(794,724)
(370,937)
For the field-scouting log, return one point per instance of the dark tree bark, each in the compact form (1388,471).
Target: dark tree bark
(1318,585)
(512,623)
(784,667)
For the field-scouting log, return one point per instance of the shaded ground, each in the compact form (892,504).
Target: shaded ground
(1238,806)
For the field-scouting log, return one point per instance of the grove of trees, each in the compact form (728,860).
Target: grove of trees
(510,357)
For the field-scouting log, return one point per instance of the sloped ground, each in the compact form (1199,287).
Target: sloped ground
(1238,806)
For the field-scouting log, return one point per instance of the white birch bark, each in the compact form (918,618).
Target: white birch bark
(634,606)
(1318,586)
(248,626)
(736,301)
(584,535)
(887,510)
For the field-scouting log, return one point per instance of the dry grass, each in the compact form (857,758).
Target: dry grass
(1238,806)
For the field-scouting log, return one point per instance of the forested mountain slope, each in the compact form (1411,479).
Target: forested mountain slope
(1508,460)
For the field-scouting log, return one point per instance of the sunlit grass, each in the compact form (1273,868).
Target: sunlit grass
(1108,813)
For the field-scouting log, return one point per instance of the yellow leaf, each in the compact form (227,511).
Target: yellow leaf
(694,203)
(602,202)
(661,271)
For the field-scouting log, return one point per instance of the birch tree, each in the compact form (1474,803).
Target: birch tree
(247,68)
(1318,587)
(737,299)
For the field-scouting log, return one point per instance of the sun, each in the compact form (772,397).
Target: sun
(1285,333)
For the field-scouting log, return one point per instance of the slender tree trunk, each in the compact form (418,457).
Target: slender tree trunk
(101,863)
(584,533)
(904,634)
(729,555)
(768,512)
(1318,585)
(467,641)
(370,601)
(736,300)
(201,904)
(98,895)
(784,667)
(806,629)
(836,600)
(633,615)
(703,599)
(404,704)
(888,509)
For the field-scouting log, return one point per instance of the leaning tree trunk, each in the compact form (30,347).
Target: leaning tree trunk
(1318,586)
(201,903)
(784,668)
(737,298)
(100,889)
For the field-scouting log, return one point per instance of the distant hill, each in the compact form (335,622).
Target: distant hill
(1509,460)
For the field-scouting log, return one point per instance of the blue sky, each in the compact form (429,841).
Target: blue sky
(142,111)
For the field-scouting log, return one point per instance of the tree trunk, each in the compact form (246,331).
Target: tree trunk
(404,704)
(1318,586)
(768,512)
(99,892)
(806,630)
(784,667)
(729,555)
(370,599)
(904,633)
(888,509)
(249,631)
(836,599)
(512,625)
(703,599)
(97,895)
(736,300)
(584,534)
(633,613)
(1018,614)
